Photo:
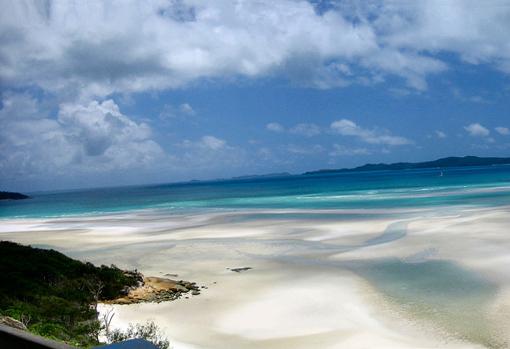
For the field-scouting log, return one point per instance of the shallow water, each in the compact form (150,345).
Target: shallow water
(438,291)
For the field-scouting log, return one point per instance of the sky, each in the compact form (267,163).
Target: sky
(102,93)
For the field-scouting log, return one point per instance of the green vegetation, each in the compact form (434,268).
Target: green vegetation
(56,296)
(148,331)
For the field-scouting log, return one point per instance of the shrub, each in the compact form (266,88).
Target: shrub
(148,331)
(56,296)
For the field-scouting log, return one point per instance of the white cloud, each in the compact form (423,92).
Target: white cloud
(413,67)
(90,138)
(170,111)
(457,93)
(212,142)
(477,130)
(440,134)
(79,53)
(475,31)
(505,131)
(341,150)
(208,156)
(209,143)
(302,129)
(186,108)
(96,48)
(347,127)
(305,150)
(306,129)
(275,127)
(102,47)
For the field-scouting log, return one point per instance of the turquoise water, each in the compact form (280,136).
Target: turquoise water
(478,186)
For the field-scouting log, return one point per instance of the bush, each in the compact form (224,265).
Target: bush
(148,331)
(54,295)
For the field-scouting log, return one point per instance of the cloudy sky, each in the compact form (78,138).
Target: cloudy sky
(125,92)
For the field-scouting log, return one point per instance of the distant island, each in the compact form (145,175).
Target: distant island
(7,195)
(268,175)
(440,163)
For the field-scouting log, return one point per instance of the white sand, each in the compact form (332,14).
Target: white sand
(304,290)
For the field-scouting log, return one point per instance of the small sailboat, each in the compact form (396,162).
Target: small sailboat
(441,174)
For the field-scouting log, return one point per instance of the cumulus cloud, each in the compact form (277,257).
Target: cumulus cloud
(477,130)
(96,48)
(306,129)
(80,53)
(347,127)
(94,137)
(472,30)
(104,47)
(275,127)
(505,131)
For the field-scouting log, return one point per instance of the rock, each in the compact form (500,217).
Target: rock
(123,301)
(9,321)
(238,270)
(156,289)
(180,288)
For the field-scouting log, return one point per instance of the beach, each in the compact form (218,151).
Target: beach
(345,278)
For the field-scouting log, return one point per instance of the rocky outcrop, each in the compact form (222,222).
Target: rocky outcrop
(241,269)
(156,289)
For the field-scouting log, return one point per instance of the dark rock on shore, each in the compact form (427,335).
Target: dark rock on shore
(238,270)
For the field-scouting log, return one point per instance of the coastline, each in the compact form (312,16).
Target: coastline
(312,281)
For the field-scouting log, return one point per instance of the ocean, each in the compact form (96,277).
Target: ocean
(466,186)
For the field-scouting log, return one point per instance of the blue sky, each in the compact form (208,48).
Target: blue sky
(107,93)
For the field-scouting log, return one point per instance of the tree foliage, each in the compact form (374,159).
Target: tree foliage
(148,331)
(54,295)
